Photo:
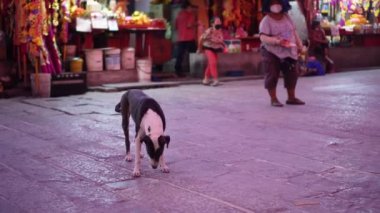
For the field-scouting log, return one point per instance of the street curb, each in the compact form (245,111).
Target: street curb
(174,83)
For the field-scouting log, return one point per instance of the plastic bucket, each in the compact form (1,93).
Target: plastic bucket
(144,69)
(94,59)
(76,65)
(41,84)
(128,58)
(112,58)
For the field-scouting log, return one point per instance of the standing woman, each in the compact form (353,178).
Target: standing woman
(280,48)
(186,25)
(212,42)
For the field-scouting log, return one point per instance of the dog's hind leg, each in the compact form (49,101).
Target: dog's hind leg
(124,107)
(125,124)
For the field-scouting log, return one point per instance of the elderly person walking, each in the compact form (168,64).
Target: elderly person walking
(280,48)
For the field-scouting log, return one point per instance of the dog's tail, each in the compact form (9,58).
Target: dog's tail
(118,107)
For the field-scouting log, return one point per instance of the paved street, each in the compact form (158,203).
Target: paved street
(230,151)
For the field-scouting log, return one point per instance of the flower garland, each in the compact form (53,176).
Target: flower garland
(65,20)
(40,39)
(52,7)
(36,26)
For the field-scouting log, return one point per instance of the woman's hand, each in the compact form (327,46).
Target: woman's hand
(286,43)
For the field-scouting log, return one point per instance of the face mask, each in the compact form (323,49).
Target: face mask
(218,26)
(276,8)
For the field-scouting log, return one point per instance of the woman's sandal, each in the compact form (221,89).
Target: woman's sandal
(206,82)
(295,101)
(276,103)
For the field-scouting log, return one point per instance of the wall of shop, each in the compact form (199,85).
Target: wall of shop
(229,64)
(350,58)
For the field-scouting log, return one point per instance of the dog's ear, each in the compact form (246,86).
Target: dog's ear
(145,139)
(164,139)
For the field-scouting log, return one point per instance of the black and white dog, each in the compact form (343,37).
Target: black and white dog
(150,126)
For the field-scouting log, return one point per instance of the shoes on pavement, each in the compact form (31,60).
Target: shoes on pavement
(215,83)
(295,101)
(206,82)
(276,103)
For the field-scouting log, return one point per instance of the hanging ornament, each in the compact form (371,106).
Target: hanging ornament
(55,8)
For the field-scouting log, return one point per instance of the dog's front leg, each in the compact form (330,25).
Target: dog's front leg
(163,166)
(136,170)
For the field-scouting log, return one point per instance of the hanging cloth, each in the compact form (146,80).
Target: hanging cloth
(65,20)
(52,8)
(37,29)
(19,23)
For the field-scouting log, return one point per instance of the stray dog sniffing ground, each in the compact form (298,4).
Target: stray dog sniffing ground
(150,126)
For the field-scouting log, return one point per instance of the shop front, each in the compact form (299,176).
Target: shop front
(354,21)
(83,43)
(94,42)
(352,24)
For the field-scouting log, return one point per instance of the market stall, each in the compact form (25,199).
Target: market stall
(93,38)
(145,35)
(67,40)
(349,22)
(352,24)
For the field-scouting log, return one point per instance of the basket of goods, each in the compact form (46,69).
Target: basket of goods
(138,20)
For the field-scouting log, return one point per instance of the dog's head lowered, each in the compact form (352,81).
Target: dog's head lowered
(155,147)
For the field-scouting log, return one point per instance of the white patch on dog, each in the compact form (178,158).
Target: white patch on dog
(152,125)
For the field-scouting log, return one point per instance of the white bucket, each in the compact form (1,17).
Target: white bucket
(128,58)
(144,69)
(112,58)
(94,59)
(41,84)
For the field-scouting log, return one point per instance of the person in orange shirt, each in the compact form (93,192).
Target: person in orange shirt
(186,25)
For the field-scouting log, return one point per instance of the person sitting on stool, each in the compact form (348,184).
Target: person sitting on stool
(319,45)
